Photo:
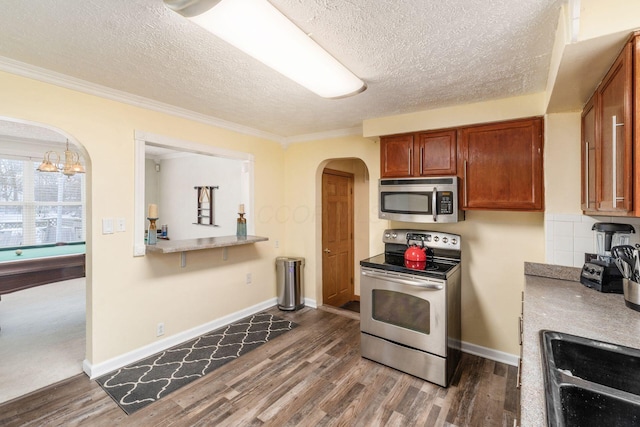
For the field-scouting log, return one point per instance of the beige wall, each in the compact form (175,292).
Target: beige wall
(128,296)
(562,163)
(481,112)
(304,165)
(598,18)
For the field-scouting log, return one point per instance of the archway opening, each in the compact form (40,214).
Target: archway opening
(360,226)
(43,246)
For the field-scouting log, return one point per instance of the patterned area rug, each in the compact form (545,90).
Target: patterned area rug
(139,384)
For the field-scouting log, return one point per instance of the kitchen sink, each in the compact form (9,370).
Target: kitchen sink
(589,382)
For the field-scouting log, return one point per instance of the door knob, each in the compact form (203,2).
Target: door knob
(327,251)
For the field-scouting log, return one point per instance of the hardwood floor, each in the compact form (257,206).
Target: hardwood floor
(311,376)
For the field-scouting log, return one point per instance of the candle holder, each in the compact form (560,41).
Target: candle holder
(241,230)
(152,233)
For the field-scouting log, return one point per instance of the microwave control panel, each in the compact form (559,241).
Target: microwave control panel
(445,202)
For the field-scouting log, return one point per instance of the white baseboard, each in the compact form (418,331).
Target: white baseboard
(99,369)
(491,354)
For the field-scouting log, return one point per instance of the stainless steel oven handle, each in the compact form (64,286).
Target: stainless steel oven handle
(419,283)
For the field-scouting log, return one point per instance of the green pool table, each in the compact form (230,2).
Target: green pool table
(40,265)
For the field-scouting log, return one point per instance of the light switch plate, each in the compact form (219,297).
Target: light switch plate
(120,225)
(107,225)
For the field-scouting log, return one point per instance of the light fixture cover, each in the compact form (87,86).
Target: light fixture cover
(263,32)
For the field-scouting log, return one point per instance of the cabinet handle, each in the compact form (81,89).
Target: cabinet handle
(614,149)
(409,162)
(586,173)
(466,200)
(421,153)
(519,374)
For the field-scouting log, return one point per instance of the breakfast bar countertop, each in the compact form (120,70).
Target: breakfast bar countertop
(173,246)
(565,306)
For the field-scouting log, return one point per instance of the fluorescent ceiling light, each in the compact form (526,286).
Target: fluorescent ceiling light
(260,30)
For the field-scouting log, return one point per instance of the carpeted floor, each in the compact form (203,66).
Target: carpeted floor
(42,336)
(137,385)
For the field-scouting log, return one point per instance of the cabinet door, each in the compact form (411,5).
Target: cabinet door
(502,166)
(396,156)
(436,153)
(615,155)
(588,150)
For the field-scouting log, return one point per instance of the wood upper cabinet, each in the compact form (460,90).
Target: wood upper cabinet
(614,159)
(396,156)
(607,141)
(420,154)
(588,150)
(436,153)
(501,165)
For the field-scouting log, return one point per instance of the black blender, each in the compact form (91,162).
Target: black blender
(601,273)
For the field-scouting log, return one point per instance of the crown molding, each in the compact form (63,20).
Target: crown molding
(47,76)
(30,71)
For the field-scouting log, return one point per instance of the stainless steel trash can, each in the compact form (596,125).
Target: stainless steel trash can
(289,275)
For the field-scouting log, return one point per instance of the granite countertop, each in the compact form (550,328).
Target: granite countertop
(173,246)
(565,306)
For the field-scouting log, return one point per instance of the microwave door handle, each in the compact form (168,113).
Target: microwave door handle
(433,204)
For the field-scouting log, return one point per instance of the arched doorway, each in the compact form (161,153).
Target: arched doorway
(43,219)
(359,229)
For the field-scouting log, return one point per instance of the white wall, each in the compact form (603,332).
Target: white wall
(178,199)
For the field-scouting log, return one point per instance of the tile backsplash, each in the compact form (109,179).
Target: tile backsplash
(569,237)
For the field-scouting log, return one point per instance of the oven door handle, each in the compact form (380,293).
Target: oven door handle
(419,283)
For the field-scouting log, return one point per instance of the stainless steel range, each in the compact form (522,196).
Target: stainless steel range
(410,311)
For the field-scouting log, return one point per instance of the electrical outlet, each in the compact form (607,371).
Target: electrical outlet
(160,329)
(277,244)
(248,278)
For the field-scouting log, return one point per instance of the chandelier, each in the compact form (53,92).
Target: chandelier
(70,167)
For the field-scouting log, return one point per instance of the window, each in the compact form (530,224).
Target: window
(39,208)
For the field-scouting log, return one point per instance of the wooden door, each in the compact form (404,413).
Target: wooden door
(588,150)
(616,129)
(337,237)
(502,166)
(437,153)
(396,156)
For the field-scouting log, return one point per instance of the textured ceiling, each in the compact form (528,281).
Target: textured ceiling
(413,54)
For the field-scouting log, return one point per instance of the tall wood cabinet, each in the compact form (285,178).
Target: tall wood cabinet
(607,141)
(418,154)
(501,165)
(588,150)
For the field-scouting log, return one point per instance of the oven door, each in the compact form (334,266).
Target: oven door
(405,309)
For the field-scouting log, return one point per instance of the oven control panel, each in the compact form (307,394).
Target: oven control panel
(432,239)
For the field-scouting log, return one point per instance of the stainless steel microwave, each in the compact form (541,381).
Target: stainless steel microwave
(427,200)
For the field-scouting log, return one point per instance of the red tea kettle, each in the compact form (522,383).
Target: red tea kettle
(415,257)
